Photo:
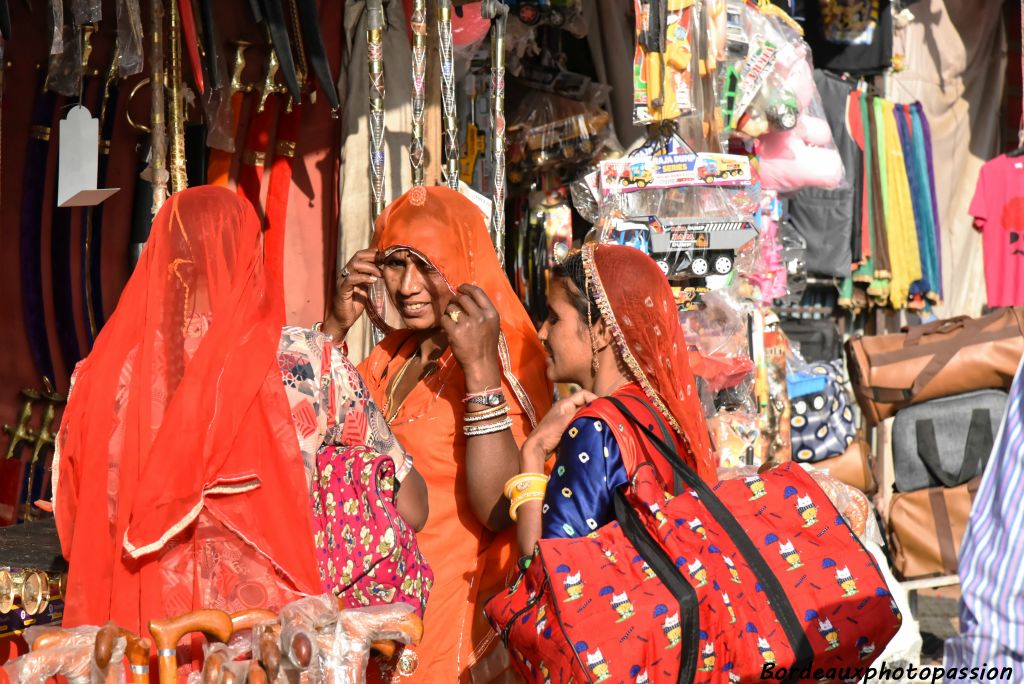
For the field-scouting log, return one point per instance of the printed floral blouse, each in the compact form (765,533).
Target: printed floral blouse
(329,401)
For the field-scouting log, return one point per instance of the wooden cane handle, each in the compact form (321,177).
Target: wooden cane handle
(213,668)
(302,650)
(215,624)
(104,648)
(270,654)
(138,651)
(50,639)
(256,674)
(385,648)
(247,619)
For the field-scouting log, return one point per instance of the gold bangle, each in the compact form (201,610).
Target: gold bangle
(487,428)
(477,416)
(513,509)
(524,482)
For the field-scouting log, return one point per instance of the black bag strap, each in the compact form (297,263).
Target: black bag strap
(664,568)
(779,601)
(976,450)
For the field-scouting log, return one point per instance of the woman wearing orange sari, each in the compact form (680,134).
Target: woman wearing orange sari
(460,377)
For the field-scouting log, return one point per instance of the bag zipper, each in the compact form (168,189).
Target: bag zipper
(522,611)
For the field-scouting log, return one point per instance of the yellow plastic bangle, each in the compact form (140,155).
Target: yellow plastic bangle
(524,482)
(519,501)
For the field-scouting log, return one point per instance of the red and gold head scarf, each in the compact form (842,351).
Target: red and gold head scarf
(636,302)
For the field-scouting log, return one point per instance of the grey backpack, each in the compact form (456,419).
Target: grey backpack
(945,442)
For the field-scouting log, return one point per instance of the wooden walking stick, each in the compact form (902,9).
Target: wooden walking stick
(215,624)
(137,651)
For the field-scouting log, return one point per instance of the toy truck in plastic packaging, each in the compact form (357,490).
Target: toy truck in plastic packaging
(687,247)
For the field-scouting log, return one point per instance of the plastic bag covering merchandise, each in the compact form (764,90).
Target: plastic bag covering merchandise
(72,656)
(548,131)
(717,336)
(797,151)
(664,65)
(354,633)
(301,625)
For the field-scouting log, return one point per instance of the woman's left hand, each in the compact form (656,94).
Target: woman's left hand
(473,333)
(545,437)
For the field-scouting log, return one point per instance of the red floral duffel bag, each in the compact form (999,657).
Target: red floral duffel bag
(724,584)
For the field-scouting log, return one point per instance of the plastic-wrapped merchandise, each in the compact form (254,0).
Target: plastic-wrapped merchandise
(86,11)
(549,131)
(129,37)
(767,92)
(717,336)
(57,27)
(665,64)
(302,623)
(64,71)
(70,653)
(356,631)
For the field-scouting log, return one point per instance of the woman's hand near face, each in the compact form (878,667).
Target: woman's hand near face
(548,433)
(474,337)
(352,293)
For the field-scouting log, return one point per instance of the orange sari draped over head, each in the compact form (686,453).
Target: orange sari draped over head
(470,563)
(179,415)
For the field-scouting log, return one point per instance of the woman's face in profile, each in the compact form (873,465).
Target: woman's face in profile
(417,289)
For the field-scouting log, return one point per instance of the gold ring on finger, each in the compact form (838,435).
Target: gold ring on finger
(454,314)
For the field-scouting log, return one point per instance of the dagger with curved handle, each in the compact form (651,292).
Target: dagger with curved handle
(273,16)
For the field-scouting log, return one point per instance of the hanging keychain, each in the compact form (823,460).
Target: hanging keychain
(498,12)
(375,63)
(418,22)
(451,124)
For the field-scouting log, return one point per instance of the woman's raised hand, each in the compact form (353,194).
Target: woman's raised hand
(546,436)
(472,325)
(352,291)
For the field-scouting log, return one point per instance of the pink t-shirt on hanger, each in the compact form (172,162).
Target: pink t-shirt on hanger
(998,211)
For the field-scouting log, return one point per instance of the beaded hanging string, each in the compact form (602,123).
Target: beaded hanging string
(451,124)
(497,11)
(375,63)
(418,21)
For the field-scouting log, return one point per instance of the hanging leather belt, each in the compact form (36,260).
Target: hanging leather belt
(60,281)
(30,234)
(250,173)
(92,217)
(188,27)
(309,22)
(277,194)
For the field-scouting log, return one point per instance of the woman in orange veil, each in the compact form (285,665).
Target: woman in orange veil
(454,328)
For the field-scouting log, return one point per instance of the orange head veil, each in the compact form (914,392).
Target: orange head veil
(447,231)
(180,406)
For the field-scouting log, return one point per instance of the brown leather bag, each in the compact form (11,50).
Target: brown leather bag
(957,355)
(926,528)
(853,467)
